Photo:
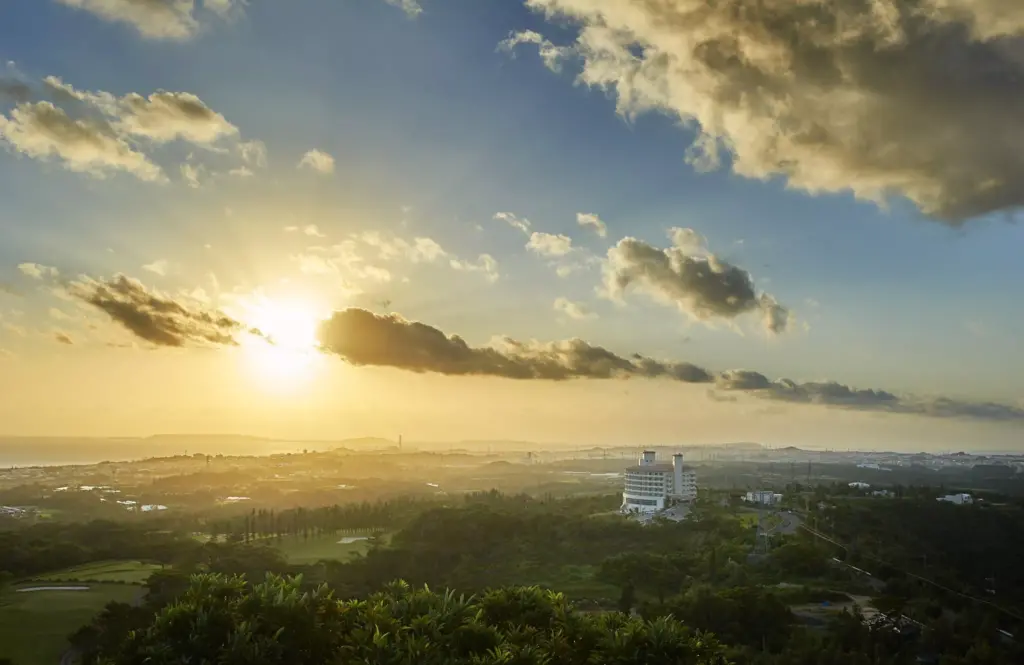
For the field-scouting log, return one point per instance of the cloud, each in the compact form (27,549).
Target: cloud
(420,250)
(687,277)
(364,338)
(313,231)
(190,174)
(157,19)
(37,271)
(58,315)
(319,161)
(411,8)
(41,130)
(552,56)
(166,116)
(98,132)
(548,244)
(162,117)
(158,267)
(509,218)
(340,259)
(915,98)
(485,264)
(590,220)
(254,153)
(174,20)
(155,317)
(573,310)
(63,338)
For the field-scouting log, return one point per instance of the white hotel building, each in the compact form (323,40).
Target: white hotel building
(652,487)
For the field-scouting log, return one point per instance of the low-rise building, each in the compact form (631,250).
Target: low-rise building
(651,486)
(763,497)
(958,499)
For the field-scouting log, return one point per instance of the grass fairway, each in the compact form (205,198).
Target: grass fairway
(299,551)
(129,572)
(34,626)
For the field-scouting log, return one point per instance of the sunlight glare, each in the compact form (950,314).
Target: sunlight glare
(288,351)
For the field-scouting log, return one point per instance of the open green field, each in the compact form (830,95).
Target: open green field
(34,625)
(299,551)
(128,572)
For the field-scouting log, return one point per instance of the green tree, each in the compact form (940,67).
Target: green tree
(225,620)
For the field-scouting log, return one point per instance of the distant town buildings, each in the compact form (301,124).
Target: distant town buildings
(763,497)
(651,487)
(860,486)
(958,499)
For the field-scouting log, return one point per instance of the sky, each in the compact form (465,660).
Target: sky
(584,221)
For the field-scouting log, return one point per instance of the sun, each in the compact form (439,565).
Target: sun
(285,350)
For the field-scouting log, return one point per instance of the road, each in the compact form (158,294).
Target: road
(791,522)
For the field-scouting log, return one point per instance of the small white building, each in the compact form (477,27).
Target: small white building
(651,487)
(958,499)
(763,497)
(860,486)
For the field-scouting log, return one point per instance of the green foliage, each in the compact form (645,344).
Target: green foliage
(749,616)
(225,620)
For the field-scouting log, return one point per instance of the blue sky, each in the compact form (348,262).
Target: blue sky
(434,130)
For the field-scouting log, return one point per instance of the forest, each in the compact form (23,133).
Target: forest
(568,573)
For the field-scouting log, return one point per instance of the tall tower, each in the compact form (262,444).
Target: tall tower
(677,468)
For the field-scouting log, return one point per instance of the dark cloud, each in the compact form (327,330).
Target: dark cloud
(364,338)
(154,317)
(361,337)
(686,276)
(917,98)
(63,338)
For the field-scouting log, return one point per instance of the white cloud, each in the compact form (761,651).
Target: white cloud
(411,8)
(341,259)
(241,172)
(37,270)
(58,315)
(420,250)
(509,218)
(547,244)
(590,220)
(158,19)
(313,231)
(158,267)
(485,264)
(41,130)
(190,174)
(573,310)
(166,116)
(254,153)
(552,56)
(915,98)
(97,132)
(162,117)
(319,161)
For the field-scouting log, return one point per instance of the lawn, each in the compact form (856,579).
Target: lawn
(128,572)
(300,551)
(34,626)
